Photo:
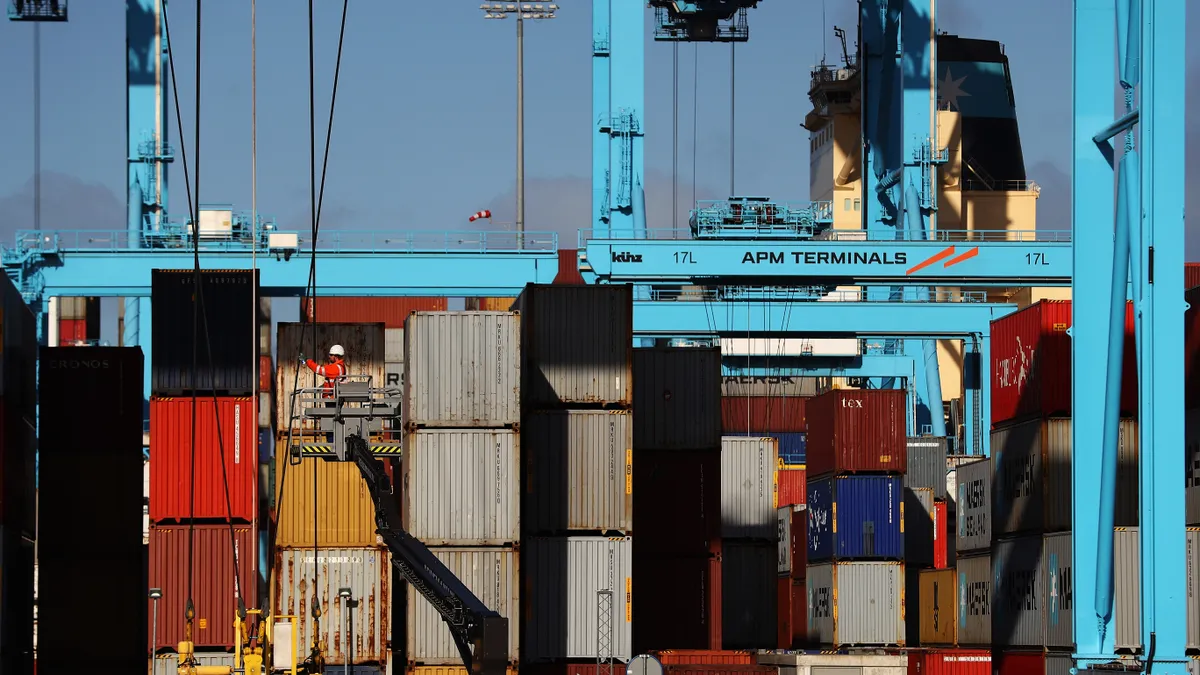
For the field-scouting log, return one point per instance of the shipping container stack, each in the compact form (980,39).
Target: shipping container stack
(78,321)
(855,579)
(324,534)
(1192,443)
(577,452)
(197,511)
(924,529)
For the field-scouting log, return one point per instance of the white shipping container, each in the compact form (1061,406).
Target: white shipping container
(265,410)
(565,577)
(677,393)
(579,471)
(393,345)
(461,487)
(462,369)
(973,488)
(363,343)
(1127,596)
(748,491)
(856,604)
(783,536)
(493,575)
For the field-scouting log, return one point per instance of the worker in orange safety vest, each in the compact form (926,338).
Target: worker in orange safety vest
(333,372)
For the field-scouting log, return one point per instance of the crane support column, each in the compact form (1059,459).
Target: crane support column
(619,103)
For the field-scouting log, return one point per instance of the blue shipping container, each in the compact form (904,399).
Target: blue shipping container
(853,517)
(793,446)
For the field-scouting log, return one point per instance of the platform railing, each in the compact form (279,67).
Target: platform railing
(950,236)
(906,294)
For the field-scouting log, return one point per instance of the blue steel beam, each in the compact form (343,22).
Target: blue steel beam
(619,114)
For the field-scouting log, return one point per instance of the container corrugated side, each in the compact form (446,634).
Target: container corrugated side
(783,536)
(793,614)
(742,414)
(976,599)
(938,603)
(214,585)
(578,471)
(856,604)
(393,345)
(363,343)
(679,601)
(677,393)
(950,662)
(1019,592)
(974,506)
(941,535)
(462,369)
(793,445)
(768,385)
(855,517)
(927,464)
(393,374)
(854,430)
(792,486)
(1192,475)
(374,309)
(493,575)
(578,345)
(447,670)
(225,459)
(748,595)
(704,657)
(678,502)
(1059,573)
(346,516)
(1127,582)
(918,526)
(748,487)
(367,572)
(1193,588)
(562,578)
(462,487)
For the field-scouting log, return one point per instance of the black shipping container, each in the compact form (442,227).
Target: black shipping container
(16,602)
(18,352)
(18,509)
(927,464)
(231,304)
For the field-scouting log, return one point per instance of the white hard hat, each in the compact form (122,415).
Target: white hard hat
(337,350)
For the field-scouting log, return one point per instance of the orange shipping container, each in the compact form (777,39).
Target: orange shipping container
(266,377)
(701,657)
(389,311)
(447,670)
(345,514)
(939,607)
(791,486)
(490,304)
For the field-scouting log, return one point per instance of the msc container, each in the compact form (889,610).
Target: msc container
(18,360)
(741,414)
(563,578)
(1031,363)
(1033,467)
(791,486)
(918,526)
(231,304)
(1019,592)
(679,602)
(215,585)
(1127,600)
(677,394)
(578,345)
(974,506)
(856,604)
(462,369)
(578,471)
(768,385)
(926,464)
(941,536)
(791,600)
(393,345)
(1059,591)
(493,575)
(363,343)
(975,600)
(793,445)
(938,602)
(950,662)
(391,312)
(855,517)
(748,595)
(225,459)
(462,487)
(1192,474)
(346,516)
(854,430)
(677,497)
(748,487)
(367,572)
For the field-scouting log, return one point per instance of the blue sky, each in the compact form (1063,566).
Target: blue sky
(423,135)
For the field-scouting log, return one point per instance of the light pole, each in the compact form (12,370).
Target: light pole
(348,605)
(155,594)
(523,10)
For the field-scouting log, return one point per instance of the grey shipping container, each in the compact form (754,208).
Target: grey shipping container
(1192,451)
(856,604)
(1127,582)
(579,471)
(493,575)
(363,343)
(168,664)
(748,487)
(1019,592)
(393,345)
(768,385)
(927,464)
(577,344)
(749,595)
(975,600)
(462,487)
(1059,572)
(367,572)
(1193,588)
(677,393)
(918,526)
(1033,475)
(563,580)
(462,369)
(974,506)
(1059,663)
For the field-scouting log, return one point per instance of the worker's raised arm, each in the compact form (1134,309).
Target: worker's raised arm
(315,367)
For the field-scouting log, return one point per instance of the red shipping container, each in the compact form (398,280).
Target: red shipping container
(679,604)
(941,535)
(170,446)
(266,376)
(711,657)
(1031,363)
(950,662)
(793,613)
(71,331)
(1191,350)
(391,312)
(855,430)
(213,583)
(677,496)
(709,669)
(779,414)
(1026,663)
(1191,275)
(568,268)
(791,487)
(799,532)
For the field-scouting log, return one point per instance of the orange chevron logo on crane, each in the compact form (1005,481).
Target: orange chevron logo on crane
(942,255)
